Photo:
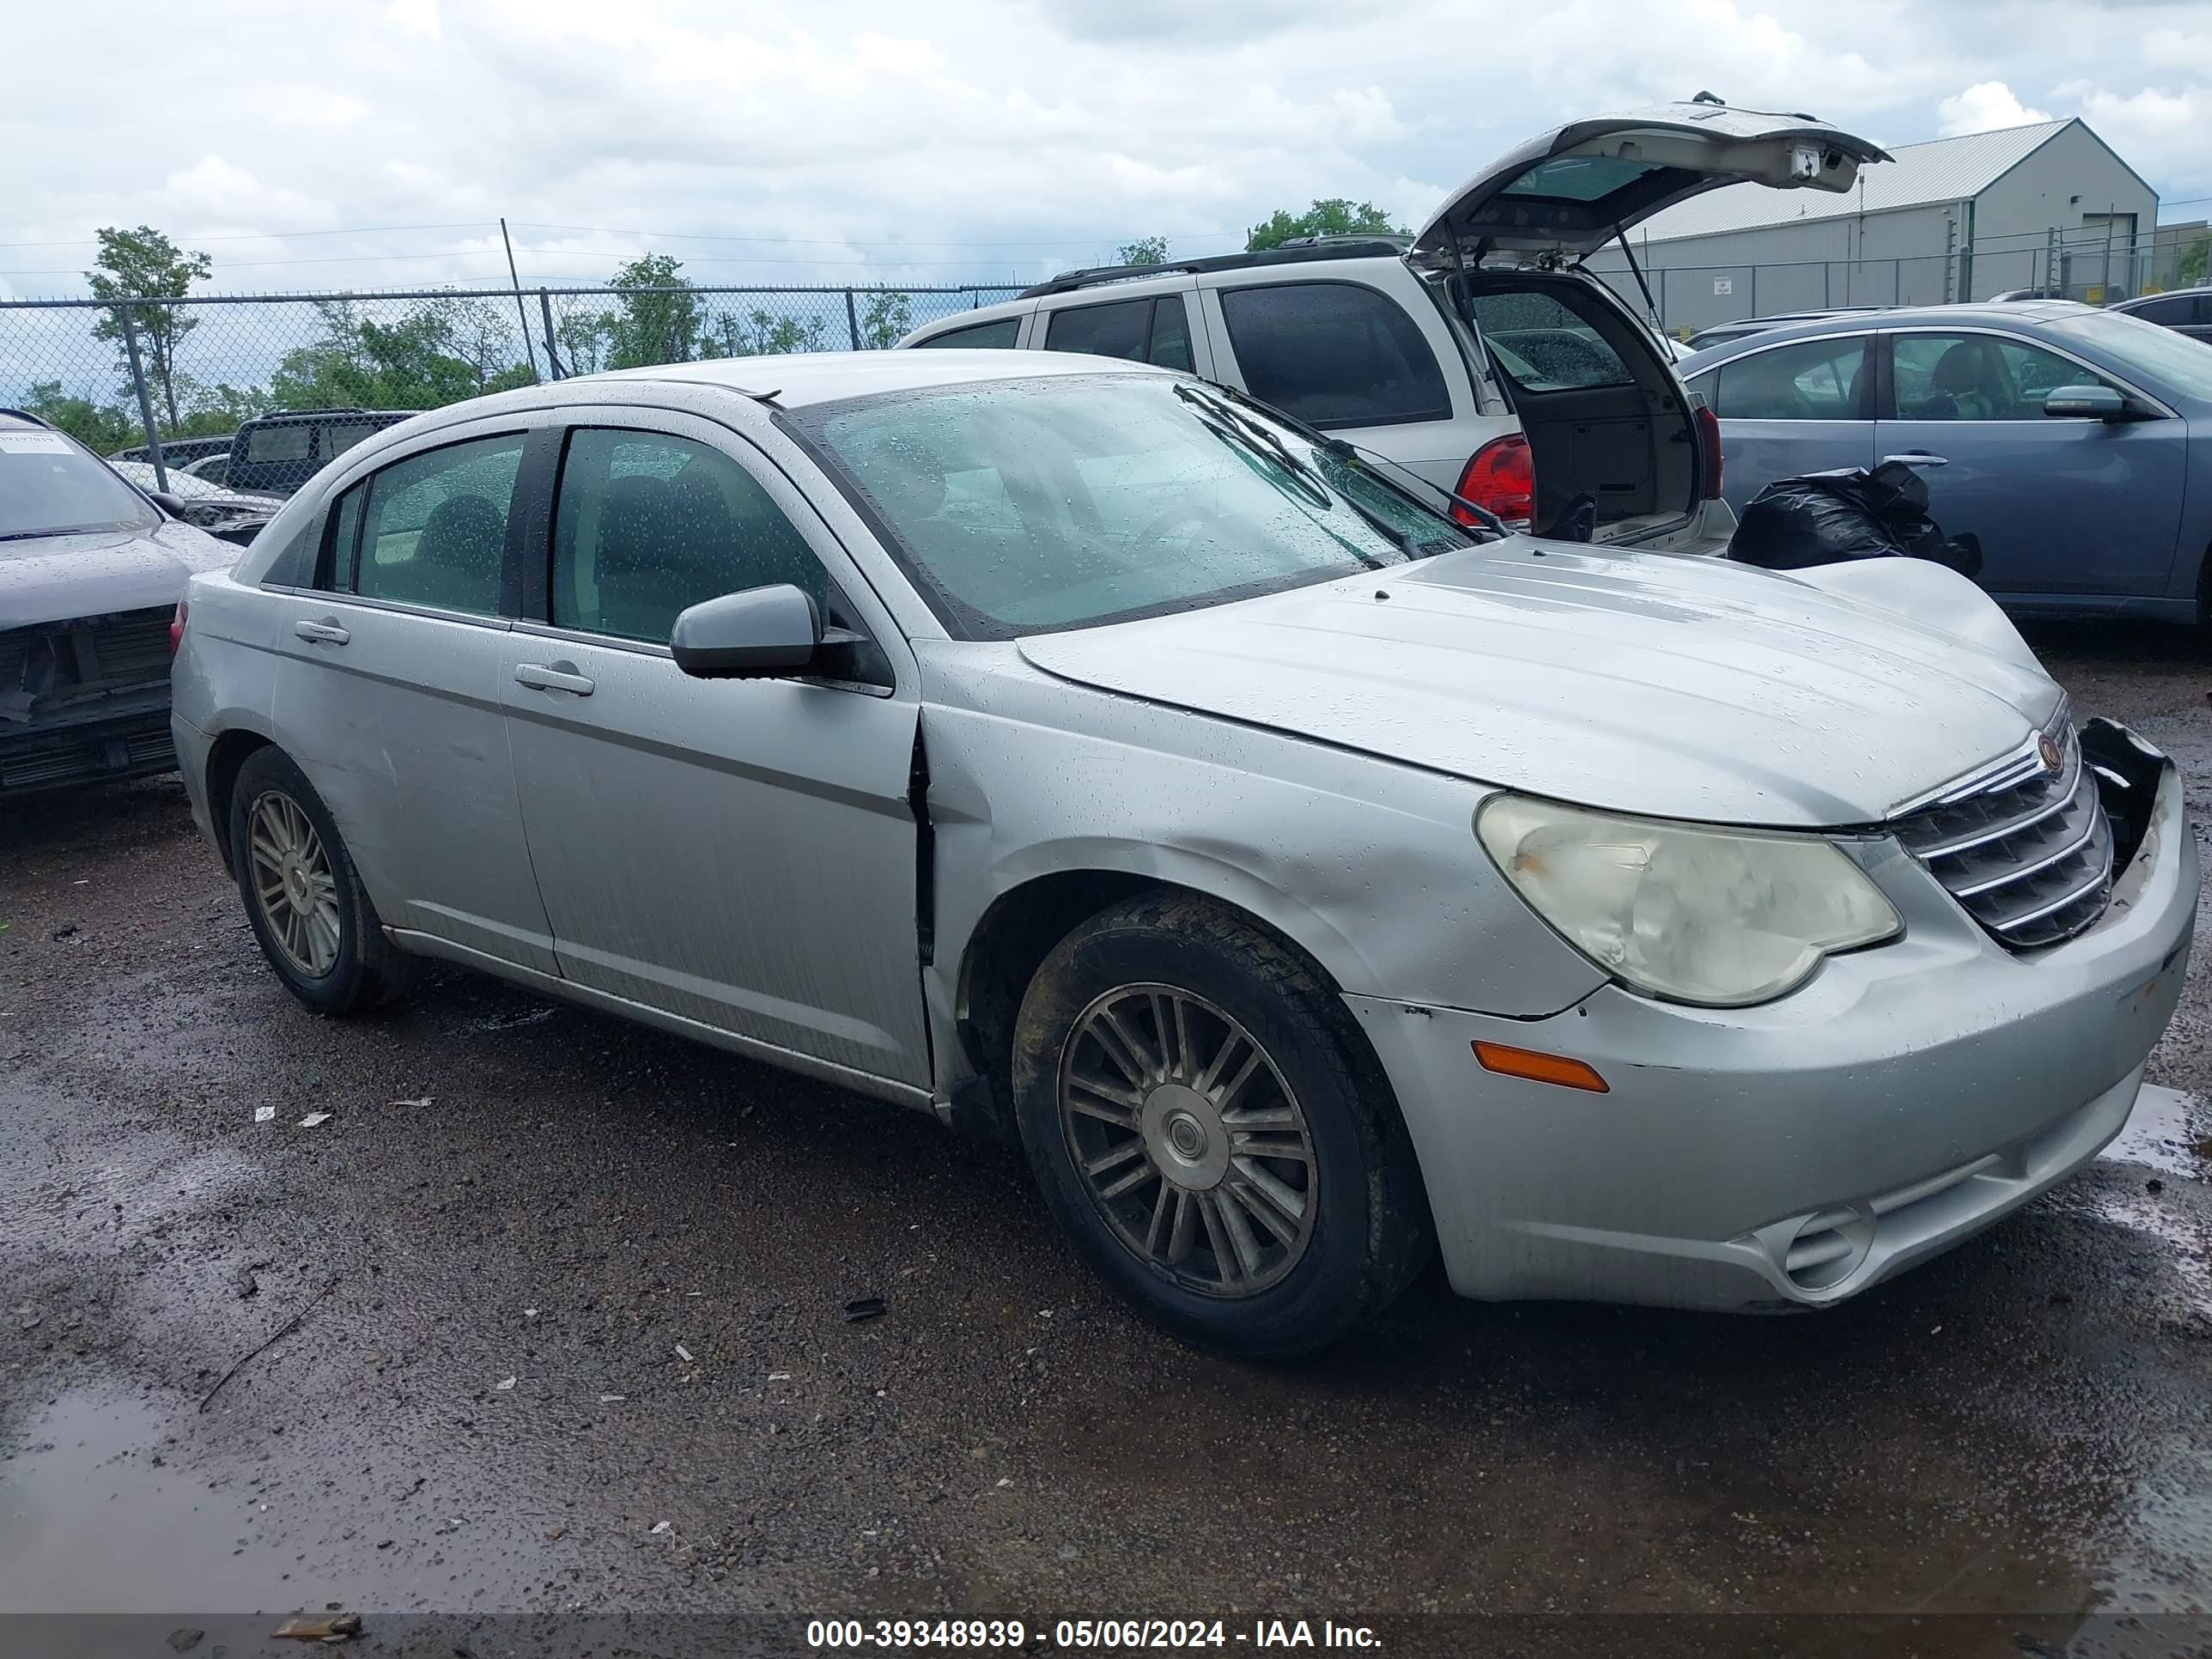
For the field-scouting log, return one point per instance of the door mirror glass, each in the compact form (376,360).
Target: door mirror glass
(763,632)
(2098,402)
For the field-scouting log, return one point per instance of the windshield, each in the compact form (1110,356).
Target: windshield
(1024,506)
(49,487)
(2171,362)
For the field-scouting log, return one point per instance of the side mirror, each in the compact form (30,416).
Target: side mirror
(759,634)
(170,503)
(2099,403)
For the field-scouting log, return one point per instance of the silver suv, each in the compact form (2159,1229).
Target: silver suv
(1479,353)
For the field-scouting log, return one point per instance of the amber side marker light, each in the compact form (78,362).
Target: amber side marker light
(1539,1067)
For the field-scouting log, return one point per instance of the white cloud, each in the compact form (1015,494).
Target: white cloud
(972,140)
(1983,107)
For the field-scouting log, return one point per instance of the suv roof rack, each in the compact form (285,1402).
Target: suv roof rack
(304,413)
(1291,253)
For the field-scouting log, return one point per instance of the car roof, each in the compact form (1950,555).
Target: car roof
(19,417)
(1987,315)
(797,379)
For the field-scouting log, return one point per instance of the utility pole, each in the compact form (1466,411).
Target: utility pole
(521,312)
(145,403)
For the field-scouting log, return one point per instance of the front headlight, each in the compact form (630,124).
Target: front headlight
(1719,917)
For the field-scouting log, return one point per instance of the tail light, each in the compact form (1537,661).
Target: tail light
(1502,476)
(176,629)
(1708,441)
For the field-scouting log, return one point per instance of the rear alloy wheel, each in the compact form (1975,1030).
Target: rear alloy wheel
(1194,1147)
(293,883)
(1210,1130)
(303,897)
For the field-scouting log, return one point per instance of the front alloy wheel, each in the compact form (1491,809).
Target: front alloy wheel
(1191,1142)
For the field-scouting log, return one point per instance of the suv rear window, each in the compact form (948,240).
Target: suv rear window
(1335,353)
(279,443)
(1002,333)
(1543,346)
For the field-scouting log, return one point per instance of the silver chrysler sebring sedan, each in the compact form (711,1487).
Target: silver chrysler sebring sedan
(1304,872)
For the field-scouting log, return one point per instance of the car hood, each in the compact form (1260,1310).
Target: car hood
(1578,187)
(54,578)
(1669,685)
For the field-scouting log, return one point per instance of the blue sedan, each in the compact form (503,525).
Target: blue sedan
(2075,443)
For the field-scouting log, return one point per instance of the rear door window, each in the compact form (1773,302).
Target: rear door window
(2168,310)
(1335,353)
(433,531)
(1155,331)
(1811,380)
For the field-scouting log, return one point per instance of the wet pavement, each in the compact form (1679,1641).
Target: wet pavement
(574,1346)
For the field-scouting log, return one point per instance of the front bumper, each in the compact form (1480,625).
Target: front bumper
(60,755)
(1794,1154)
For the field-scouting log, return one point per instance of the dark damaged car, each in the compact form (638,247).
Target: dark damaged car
(91,573)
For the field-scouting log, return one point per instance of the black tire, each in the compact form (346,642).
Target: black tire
(367,969)
(1369,1233)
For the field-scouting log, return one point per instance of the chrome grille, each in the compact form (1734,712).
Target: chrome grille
(2025,848)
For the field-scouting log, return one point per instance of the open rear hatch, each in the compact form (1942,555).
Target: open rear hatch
(1568,191)
(1616,454)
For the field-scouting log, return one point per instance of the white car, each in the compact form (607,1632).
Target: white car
(1480,355)
(1092,757)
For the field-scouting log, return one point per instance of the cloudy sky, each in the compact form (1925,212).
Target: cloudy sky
(376,144)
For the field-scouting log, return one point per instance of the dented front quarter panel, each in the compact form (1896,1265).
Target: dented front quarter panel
(1371,867)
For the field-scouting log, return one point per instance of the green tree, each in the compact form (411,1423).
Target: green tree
(647,328)
(886,318)
(438,352)
(1335,217)
(758,334)
(2189,270)
(1144,251)
(145,264)
(583,337)
(101,427)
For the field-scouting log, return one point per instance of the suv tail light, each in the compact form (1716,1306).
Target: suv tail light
(1708,441)
(176,629)
(1502,476)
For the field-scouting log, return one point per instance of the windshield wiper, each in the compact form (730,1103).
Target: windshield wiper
(1255,435)
(1347,450)
(1353,451)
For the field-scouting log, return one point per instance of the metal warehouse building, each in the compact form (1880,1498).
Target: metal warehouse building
(2049,205)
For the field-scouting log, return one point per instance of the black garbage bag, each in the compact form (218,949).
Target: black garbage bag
(1826,518)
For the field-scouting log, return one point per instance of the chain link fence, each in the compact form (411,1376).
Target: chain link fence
(118,374)
(2090,266)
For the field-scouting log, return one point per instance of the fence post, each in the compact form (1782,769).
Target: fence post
(852,320)
(545,309)
(145,401)
(1897,281)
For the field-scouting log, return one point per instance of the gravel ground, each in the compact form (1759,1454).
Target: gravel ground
(574,1348)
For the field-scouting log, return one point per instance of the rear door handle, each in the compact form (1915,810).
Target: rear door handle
(1918,458)
(553,676)
(327,632)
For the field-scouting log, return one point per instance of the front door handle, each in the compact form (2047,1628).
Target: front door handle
(553,676)
(326,632)
(1918,458)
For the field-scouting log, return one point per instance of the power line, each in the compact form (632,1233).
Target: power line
(818,241)
(278,236)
